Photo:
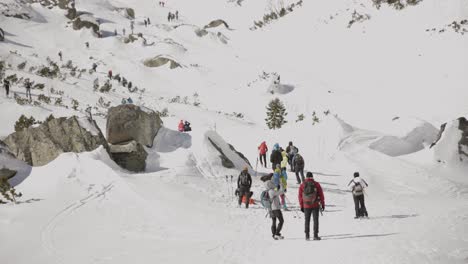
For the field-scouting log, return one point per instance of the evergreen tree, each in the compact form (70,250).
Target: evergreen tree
(276,113)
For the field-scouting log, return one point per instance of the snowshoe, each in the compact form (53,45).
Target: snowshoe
(317,238)
(279,237)
(274,237)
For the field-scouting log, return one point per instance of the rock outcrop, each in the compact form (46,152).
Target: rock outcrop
(130,156)
(86,21)
(160,61)
(130,122)
(39,145)
(216,23)
(451,145)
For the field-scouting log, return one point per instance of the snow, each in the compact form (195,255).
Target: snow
(89,126)
(82,208)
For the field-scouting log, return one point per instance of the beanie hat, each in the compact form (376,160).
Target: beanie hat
(356,174)
(309,174)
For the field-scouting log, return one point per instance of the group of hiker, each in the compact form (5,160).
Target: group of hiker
(173,16)
(184,126)
(310,195)
(27,85)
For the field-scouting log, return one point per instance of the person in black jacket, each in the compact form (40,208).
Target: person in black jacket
(244,182)
(276,157)
(6,84)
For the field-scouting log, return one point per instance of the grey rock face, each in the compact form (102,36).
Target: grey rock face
(39,145)
(130,122)
(130,156)
(159,61)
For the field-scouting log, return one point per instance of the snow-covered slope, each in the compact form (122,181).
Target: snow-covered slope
(380,88)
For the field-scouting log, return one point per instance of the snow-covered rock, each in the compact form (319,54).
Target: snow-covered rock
(130,122)
(451,146)
(415,140)
(39,145)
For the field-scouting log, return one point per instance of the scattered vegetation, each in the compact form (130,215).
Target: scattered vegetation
(276,114)
(300,118)
(24,122)
(75,104)
(275,15)
(9,193)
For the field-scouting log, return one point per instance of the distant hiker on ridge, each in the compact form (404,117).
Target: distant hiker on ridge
(181,126)
(187,127)
(60,55)
(6,85)
(311,200)
(299,167)
(262,151)
(28,85)
(244,183)
(357,186)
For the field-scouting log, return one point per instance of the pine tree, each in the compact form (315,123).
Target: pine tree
(8,192)
(276,113)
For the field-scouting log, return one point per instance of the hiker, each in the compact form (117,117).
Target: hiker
(123,31)
(115,32)
(169,16)
(284,161)
(187,126)
(262,150)
(181,126)
(280,179)
(275,213)
(357,185)
(87,44)
(28,85)
(291,150)
(275,156)
(123,101)
(244,182)
(94,66)
(299,167)
(132,26)
(129,100)
(312,201)
(109,74)
(146,23)
(177,15)
(60,55)
(6,85)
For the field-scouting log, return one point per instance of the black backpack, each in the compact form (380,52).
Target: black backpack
(299,160)
(310,194)
(244,179)
(358,189)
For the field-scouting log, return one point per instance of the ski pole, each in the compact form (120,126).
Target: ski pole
(227,185)
(232,188)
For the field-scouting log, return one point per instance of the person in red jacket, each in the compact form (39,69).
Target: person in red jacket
(262,150)
(311,200)
(181,126)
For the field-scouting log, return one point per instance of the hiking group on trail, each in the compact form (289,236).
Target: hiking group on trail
(311,198)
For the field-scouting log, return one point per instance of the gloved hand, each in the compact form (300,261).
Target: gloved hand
(302,209)
(323,208)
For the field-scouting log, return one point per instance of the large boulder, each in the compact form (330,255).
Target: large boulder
(130,156)
(451,145)
(130,122)
(86,21)
(39,145)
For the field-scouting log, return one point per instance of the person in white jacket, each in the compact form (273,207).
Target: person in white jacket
(357,185)
(275,209)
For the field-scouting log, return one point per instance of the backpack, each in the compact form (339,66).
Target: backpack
(244,179)
(309,195)
(299,160)
(358,189)
(265,200)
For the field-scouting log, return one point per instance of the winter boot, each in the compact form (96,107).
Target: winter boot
(279,236)
(274,237)
(317,238)
(307,237)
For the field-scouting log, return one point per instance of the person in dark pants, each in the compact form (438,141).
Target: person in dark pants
(357,185)
(275,213)
(244,182)
(6,85)
(28,85)
(262,151)
(311,200)
(276,157)
(299,167)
